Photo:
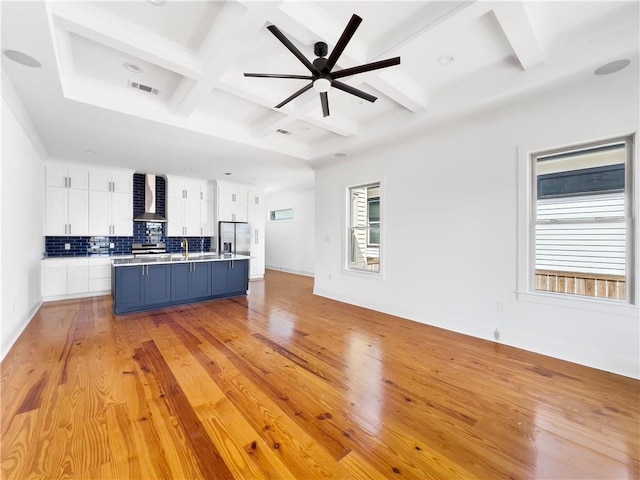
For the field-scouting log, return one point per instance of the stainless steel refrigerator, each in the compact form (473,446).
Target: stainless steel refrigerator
(234,237)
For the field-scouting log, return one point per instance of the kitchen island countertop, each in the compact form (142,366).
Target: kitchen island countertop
(178,258)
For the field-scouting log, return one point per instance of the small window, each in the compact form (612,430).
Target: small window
(284,214)
(580,221)
(364,228)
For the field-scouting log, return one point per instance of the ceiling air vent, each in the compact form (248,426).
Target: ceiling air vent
(144,88)
(283,132)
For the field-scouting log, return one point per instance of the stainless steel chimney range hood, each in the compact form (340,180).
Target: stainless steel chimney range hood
(149,214)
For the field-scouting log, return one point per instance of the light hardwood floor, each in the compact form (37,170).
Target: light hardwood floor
(282,384)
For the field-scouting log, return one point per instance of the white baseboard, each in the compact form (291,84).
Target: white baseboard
(512,338)
(76,295)
(290,270)
(8,341)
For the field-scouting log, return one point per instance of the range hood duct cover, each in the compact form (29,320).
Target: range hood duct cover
(150,214)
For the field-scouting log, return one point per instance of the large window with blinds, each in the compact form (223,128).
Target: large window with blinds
(581,220)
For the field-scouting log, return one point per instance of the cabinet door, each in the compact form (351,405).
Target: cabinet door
(257,220)
(175,217)
(99,180)
(129,288)
(238,275)
(192,217)
(54,281)
(200,279)
(78,178)
(175,187)
(122,214)
(180,276)
(78,280)
(219,278)
(78,212)
(206,218)
(158,284)
(122,182)
(99,207)
(56,176)
(56,212)
(239,202)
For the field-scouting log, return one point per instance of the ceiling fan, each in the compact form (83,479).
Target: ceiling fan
(322,78)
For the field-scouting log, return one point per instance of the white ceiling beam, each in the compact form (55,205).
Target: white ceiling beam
(95,24)
(430,17)
(516,25)
(340,126)
(233,29)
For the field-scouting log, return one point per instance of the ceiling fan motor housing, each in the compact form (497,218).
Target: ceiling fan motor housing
(320,49)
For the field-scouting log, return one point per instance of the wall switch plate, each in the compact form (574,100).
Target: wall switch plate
(67,246)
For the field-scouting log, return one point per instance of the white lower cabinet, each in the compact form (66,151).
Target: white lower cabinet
(75,277)
(99,275)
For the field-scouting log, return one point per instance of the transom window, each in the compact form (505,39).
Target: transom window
(364,228)
(581,220)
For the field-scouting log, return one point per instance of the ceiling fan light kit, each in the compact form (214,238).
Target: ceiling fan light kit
(322,78)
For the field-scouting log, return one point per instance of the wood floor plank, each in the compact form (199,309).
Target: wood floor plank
(283,384)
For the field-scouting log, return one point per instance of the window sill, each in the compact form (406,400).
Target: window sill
(363,274)
(611,307)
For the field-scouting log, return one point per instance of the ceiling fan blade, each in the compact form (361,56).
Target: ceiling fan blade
(324,100)
(292,48)
(349,30)
(367,67)
(278,75)
(298,93)
(353,91)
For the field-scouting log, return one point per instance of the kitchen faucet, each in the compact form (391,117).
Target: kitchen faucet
(185,244)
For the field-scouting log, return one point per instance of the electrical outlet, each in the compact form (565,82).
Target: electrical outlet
(496,334)
(67,246)
(112,245)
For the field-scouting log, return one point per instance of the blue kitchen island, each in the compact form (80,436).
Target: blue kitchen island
(146,283)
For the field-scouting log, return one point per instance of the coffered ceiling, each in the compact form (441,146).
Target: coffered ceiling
(203,117)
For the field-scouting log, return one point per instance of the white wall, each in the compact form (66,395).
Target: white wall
(22,207)
(290,243)
(449,213)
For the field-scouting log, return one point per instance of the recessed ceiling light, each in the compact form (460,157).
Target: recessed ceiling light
(22,58)
(132,67)
(612,67)
(89,152)
(158,3)
(445,59)
(305,129)
(340,154)
(227,173)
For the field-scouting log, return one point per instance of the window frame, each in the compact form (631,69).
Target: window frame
(273,215)
(527,198)
(347,268)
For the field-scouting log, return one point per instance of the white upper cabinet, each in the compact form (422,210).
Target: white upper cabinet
(67,201)
(185,199)
(111,202)
(111,181)
(67,177)
(86,202)
(207,214)
(232,202)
